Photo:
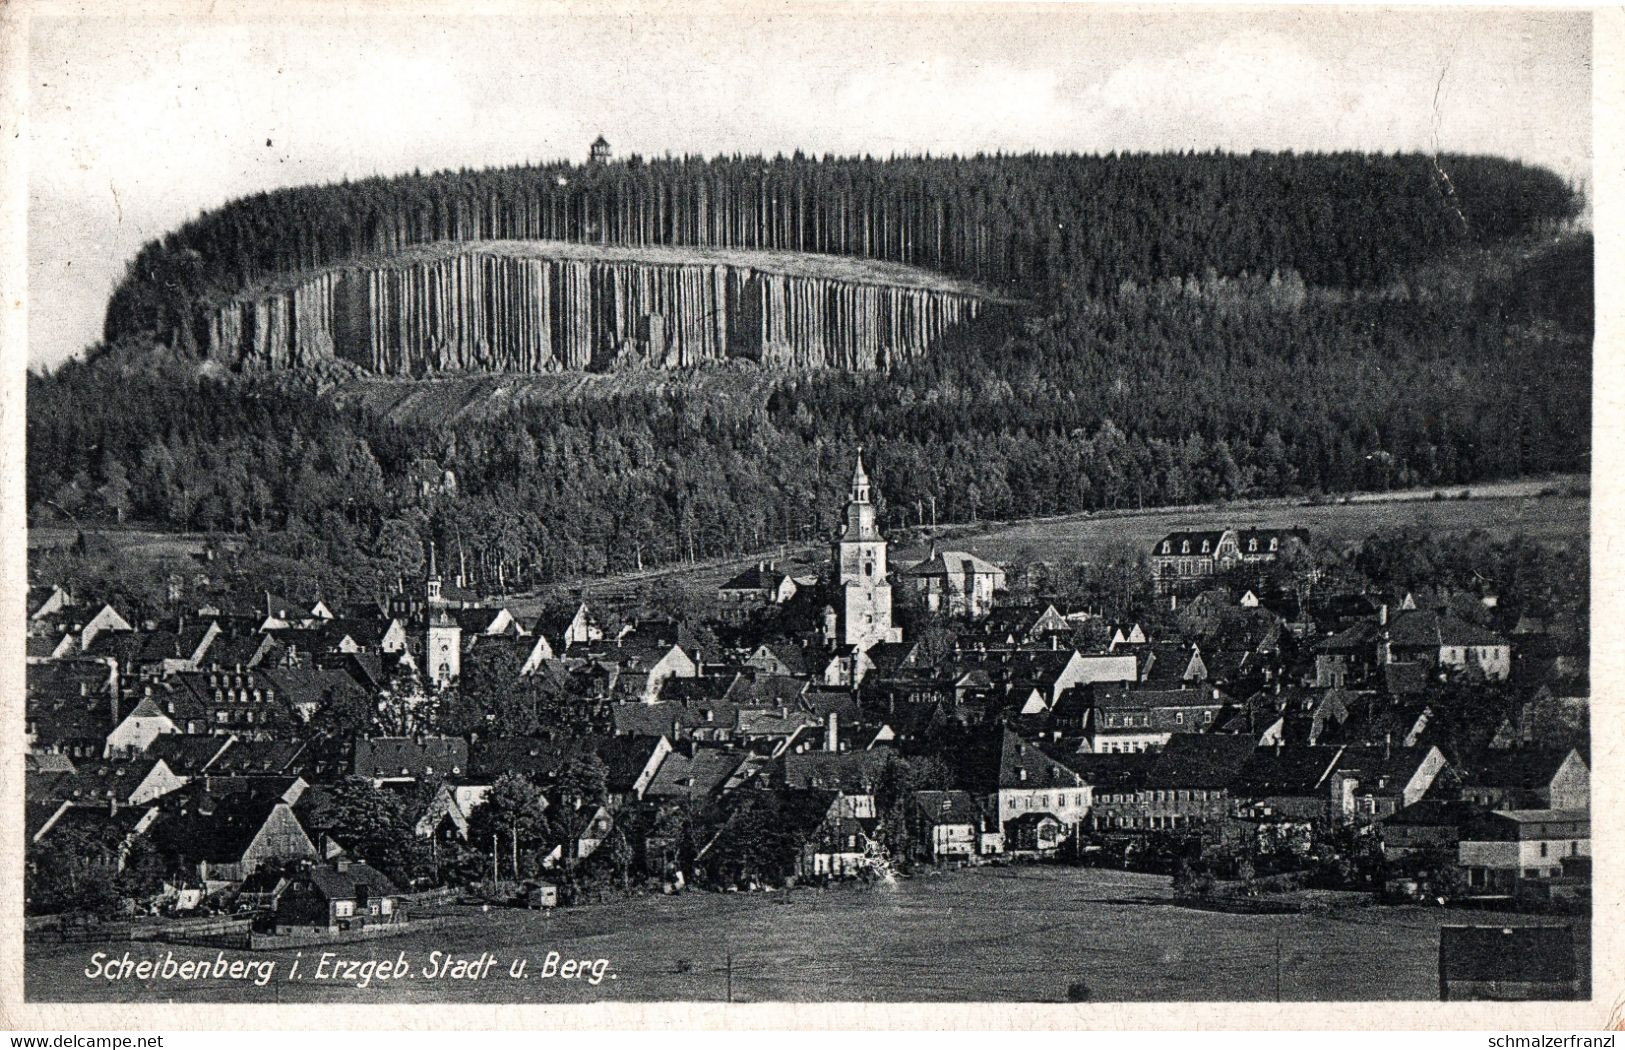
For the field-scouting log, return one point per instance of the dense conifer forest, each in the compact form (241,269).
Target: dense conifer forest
(1028,225)
(1189,328)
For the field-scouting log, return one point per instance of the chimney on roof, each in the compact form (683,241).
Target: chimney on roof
(1387,745)
(832,731)
(1382,615)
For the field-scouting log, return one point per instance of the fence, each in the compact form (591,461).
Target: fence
(73,933)
(261,941)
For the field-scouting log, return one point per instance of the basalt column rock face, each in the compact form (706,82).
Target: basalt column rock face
(497,311)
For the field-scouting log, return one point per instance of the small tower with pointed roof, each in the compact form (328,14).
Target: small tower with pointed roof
(864,603)
(431,583)
(599,152)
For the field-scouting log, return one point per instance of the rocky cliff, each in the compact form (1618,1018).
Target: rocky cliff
(532,307)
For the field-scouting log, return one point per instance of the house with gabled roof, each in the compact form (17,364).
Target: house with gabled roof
(76,726)
(1186,560)
(1504,849)
(944,825)
(1120,719)
(1445,641)
(248,704)
(704,719)
(116,782)
(1287,783)
(104,620)
(47,601)
(635,668)
(402,760)
(187,755)
(1170,665)
(536,650)
(336,896)
(490,621)
(1023,624)
(172,651)
(447,814)
(1123,635)
(954,583)
(694,772)
(282,612)
(144,723)
(779,657)
(761,586)
(631,763)
(1377,781)
(1011,776)
(239,652)
(1188,782)
(580,627)
(1528,778)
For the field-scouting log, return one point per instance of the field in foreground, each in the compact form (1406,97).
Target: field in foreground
(1010,934)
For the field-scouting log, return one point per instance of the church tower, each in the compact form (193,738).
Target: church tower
(442,646)
(860,571)
(442,634)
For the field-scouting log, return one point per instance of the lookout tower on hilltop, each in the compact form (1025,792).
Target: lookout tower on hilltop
(600,152)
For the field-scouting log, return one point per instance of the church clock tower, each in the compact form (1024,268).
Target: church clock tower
(442,635)
(860,571)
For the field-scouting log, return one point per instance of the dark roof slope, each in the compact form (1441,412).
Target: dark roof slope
(1525,767)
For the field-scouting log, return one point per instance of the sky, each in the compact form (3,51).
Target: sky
(137,123)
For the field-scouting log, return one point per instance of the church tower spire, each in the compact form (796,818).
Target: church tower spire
(431,583)
(860,480)
(860,570)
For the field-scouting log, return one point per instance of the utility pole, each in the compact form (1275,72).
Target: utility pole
(1277,967)
(730,975)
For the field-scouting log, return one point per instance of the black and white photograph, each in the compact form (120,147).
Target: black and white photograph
(801,503)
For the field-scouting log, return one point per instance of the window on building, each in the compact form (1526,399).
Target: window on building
(1204,546)
(1252,545)
(1166,546)
(1274,542)
(1543,849)
(1185,548)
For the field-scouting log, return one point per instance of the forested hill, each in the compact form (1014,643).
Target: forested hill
(1192,328)
(1032,225)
